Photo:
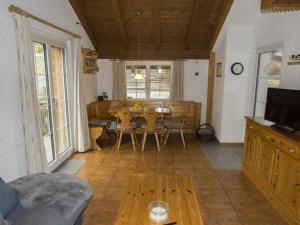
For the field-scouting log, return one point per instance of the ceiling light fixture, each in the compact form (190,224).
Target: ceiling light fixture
(138,75)
(159,70)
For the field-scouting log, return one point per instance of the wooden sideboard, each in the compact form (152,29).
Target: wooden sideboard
(272,163)
(99,109)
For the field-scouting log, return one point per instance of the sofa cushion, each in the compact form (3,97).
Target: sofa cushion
(8,198)
(4,222)
(36,216)
(60,191)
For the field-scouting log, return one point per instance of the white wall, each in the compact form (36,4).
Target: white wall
(59,12)
(238,49)
(245,31)
(217,111)
(195,87)
(276,28)
(105,78)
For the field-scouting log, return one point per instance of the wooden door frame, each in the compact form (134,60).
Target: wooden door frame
(210,86)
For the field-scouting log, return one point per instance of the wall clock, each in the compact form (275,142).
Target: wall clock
(237,68)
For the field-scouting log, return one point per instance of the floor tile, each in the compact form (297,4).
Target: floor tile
(226,196)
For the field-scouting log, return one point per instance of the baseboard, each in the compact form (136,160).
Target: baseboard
(232,144)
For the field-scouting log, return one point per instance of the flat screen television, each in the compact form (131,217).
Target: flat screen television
(283,107)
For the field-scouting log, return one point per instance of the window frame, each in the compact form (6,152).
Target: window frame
(61,41)
(147,80)
(259,51)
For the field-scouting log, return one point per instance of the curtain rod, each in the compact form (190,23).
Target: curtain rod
(22,12)
(141,60)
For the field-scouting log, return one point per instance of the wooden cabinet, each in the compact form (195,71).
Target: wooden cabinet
(272,163)
(287,181)
(265,162)
(251,144)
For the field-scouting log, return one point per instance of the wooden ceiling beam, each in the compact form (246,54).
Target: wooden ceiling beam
(157,23)
(223,15)
(84,22)
(191,26)
(116,9)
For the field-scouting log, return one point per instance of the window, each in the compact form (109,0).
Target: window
(268,75)
(50,72)
(136,88)
(148,81)
(160,82)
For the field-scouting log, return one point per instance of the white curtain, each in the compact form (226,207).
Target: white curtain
(34,145)
(119,81)
(177,81)
(81,129)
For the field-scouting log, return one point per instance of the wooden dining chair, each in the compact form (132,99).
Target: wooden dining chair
(125,126)
(177,122)
(151,127)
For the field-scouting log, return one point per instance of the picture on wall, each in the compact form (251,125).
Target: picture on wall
(219,70)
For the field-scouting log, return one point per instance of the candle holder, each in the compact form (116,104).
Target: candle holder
(158,211)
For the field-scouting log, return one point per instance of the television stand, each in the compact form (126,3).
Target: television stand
(283,128)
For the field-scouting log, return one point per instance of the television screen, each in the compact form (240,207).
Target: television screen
(283,107)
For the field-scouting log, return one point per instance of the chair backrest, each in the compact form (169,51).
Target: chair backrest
(178,112)
(151,117)
(125,116)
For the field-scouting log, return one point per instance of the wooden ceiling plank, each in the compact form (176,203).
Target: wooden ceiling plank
(223,15)
(116,9)
(157,23)
(84,22)
(191,26)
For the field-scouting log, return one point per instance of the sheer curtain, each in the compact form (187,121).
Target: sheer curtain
(81,130)
(177,81)
(119,81)
(36,158)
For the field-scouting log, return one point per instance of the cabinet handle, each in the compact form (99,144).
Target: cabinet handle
(292,150)
(251,127)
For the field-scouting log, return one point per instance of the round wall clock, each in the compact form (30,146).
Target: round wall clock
(237,68)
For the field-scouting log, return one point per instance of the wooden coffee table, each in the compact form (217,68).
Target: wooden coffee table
(177,191)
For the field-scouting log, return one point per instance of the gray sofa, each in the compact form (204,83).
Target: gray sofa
(43,199)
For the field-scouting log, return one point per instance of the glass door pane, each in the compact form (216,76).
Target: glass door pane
(59,99)
(268,75)
(42,84)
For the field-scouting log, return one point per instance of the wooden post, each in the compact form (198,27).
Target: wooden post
(210,86)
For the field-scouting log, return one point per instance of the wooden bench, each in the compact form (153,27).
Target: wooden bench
(99,109)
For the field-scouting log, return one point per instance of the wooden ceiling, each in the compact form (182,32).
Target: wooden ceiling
(166,29)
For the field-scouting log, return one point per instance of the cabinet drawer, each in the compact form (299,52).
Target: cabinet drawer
(270,137)
(253,128)
(291,148)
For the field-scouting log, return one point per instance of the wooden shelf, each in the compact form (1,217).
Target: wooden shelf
(294,62)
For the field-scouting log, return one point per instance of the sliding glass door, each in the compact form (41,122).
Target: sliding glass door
(52,90)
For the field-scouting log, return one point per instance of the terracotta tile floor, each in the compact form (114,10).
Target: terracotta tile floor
(226,197)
